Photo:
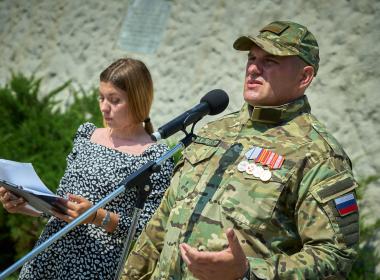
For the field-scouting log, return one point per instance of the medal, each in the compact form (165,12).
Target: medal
(262,156)
(265,175)
(257,171)
(253,153)
(242,166)
(277,162)
(269,159)
(250,168)
(249,154)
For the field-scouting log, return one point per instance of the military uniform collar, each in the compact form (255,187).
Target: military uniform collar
(275,114)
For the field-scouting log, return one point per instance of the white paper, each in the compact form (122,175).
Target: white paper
(23,175)
(22,180)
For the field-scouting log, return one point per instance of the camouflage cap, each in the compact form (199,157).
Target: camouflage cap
(284,38)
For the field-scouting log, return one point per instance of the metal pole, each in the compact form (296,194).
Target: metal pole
(128,243)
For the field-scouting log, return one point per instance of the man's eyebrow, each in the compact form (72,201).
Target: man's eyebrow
(271,56)
(265,56)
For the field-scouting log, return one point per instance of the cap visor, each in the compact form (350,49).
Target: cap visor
(245,43)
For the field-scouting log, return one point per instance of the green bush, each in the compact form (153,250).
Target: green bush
(365,265)
(35,128)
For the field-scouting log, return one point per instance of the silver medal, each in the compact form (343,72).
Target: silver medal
(242,165)
(257,171)
(265,176)
(250,168)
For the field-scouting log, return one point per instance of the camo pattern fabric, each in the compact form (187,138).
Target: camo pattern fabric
(288,227)
(284,38)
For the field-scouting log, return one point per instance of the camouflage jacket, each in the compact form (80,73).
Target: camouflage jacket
(290,227)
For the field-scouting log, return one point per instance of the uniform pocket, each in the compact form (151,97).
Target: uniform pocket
(195,162)
(197,153)
(250,202)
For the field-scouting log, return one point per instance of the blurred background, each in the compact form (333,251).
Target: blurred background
(52,52)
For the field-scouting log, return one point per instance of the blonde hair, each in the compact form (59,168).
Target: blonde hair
(133,77)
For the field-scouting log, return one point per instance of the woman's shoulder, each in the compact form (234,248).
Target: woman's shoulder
(85,130)
(155,151)
(159,147)
(158,150)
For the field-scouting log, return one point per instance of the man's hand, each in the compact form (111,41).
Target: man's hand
(229,264)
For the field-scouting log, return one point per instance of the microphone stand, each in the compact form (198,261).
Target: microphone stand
(138,179)
(143,193)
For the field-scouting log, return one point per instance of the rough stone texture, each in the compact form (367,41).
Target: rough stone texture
(69,39)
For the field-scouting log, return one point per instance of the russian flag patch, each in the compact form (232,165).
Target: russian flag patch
(346,204)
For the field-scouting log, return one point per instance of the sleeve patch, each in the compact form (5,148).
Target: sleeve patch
(348,224)
(334,187)
(207,141)
(338,186)
(346,204)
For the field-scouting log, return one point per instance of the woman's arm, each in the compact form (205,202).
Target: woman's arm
(77,205)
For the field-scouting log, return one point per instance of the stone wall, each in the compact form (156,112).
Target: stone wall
(71,39)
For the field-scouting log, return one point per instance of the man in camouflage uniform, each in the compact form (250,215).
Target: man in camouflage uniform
(264,193)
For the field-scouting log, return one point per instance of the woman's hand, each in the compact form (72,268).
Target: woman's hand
(11,202)
(76,206)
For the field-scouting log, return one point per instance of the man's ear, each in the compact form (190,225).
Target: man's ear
(307,75)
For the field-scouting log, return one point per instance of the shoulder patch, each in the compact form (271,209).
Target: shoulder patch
(346,204)
(207,141)
(346,213)
(333,187)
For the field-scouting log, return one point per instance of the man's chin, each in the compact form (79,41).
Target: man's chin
(252,96)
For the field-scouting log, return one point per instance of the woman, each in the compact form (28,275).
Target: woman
(100,159)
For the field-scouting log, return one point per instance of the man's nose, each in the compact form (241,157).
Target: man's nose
(254,68)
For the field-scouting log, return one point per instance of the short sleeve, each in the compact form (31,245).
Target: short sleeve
(84,131)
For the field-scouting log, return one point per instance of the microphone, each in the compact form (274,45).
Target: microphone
(213,103)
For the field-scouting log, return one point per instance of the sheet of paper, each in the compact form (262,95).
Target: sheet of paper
(22,174)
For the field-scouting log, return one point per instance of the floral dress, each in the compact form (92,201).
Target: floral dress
(94,171)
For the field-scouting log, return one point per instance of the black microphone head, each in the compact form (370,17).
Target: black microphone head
(217,100)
